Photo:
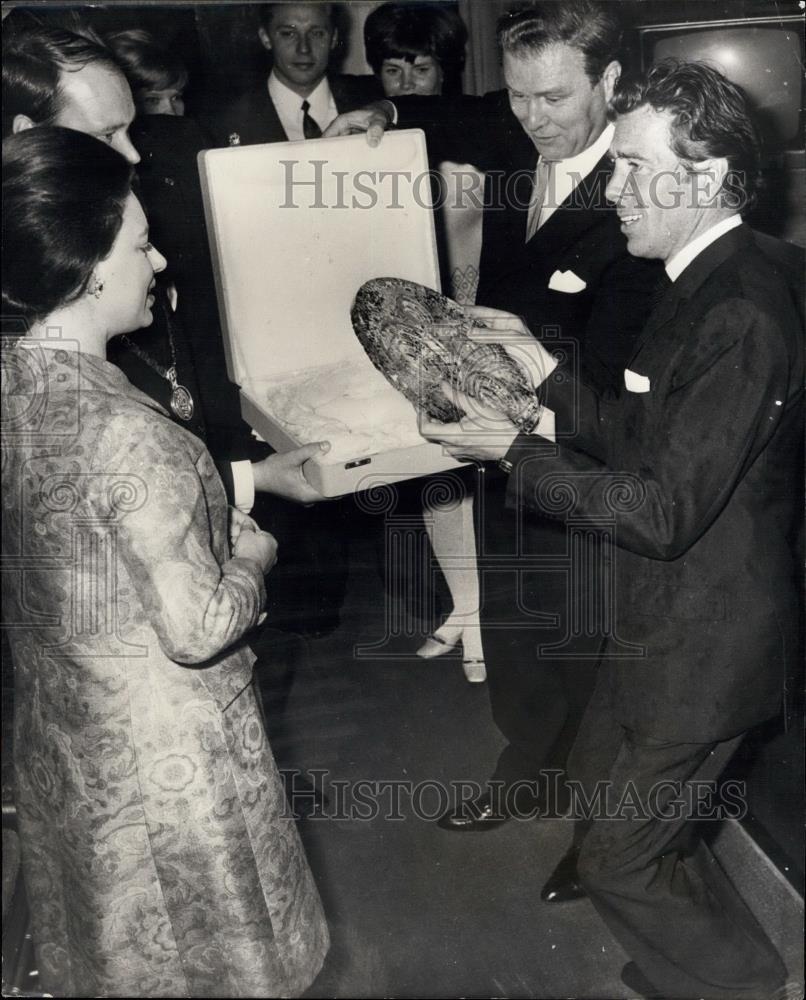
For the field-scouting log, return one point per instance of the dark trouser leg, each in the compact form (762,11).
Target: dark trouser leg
(654,882)
(536,705)
(593,753)
(306,588)
(537,699)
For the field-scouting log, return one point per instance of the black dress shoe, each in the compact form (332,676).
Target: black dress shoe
(563,884)
(637,983)
(484,813)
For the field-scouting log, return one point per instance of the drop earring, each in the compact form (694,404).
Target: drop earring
(95,286)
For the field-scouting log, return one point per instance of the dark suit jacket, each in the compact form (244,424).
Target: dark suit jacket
(701,471)
(168,183)
(253,119)
(582,235)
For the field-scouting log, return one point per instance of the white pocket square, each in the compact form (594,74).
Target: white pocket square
(633,382)
(566,281)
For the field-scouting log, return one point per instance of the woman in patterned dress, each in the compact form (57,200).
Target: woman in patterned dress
(157,854)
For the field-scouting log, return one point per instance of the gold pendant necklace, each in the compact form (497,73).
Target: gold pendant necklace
(181,401)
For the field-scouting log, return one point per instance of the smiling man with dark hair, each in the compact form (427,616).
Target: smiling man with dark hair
(697,464)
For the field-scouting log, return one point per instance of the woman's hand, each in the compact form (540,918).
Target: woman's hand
(238,522)
(259,546)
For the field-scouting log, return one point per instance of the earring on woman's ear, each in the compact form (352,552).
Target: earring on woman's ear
(95,286)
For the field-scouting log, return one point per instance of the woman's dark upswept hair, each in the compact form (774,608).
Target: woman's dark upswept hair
(408,30)
(64,195)
(709,118)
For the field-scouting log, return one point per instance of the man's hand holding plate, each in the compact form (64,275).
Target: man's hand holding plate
(483,434)
(499,327)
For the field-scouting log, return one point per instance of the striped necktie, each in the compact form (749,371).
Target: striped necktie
(542,185)
(309,127)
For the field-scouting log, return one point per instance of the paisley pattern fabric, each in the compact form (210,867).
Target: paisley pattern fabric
(157,858)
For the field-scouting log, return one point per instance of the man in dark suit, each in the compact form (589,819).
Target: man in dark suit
(562,263)
(300,99)
(697,464)
(552,252)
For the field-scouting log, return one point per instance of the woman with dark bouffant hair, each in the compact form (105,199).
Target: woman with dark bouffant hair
(158,861)
(416,48)
(156,75)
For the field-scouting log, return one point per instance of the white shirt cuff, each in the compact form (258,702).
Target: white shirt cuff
(243,486)
(546,425)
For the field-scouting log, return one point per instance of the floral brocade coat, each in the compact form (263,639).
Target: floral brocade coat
(157,855)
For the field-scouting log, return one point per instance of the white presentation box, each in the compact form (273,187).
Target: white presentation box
(295,229)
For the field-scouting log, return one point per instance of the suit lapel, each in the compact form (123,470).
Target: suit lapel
(262,121)
(663,313)
(340,96)
(712,257)
(694,276)
(577,213)
(271,120)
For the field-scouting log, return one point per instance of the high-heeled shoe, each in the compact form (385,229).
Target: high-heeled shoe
(475,671)
(440,644)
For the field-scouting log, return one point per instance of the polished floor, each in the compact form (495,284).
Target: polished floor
(414,910)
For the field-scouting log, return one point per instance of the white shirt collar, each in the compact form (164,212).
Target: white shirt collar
(571,171)
(681,260)
(582,163)
(288,106)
